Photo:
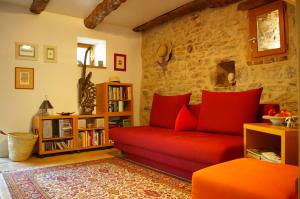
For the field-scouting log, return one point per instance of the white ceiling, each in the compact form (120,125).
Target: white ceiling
(130,14)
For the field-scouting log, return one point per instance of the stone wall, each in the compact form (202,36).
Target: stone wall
(215,35)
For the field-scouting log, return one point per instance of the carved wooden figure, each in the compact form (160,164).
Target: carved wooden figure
(87,90)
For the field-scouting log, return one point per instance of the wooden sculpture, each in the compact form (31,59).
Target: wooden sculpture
(87,90)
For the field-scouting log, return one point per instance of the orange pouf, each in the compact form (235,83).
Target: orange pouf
(245,179)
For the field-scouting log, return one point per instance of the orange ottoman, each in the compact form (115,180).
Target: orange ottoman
(245,178)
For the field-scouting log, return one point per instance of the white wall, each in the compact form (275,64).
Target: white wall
(58,81)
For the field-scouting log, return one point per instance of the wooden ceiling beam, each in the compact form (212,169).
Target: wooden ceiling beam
(38,6)
(251,4)
(180,11)
(220,3)
(293,2)
(101,11)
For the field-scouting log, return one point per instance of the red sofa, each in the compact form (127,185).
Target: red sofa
(180,152)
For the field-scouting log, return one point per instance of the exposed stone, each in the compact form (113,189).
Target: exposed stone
(203,39)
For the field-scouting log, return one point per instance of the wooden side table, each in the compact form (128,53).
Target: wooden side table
(268,136)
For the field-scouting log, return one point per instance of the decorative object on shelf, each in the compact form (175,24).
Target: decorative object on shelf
(50,54)
(24,78)
(164,54)
(26,51)
(66,113)
(114,79)
(44,106)
(119,62)
(87,90)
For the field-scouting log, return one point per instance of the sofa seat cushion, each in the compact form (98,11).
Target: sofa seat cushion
(190,145)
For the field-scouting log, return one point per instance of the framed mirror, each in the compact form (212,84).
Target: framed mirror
(268,30)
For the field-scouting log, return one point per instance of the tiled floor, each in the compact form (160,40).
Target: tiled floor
(7,165)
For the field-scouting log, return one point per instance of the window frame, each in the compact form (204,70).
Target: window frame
(283,28)
(82,45)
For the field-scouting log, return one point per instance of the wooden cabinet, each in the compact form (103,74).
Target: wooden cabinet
(115,101)
(273,138)
(70,133)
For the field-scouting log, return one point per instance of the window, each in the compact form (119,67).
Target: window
(96,57)
(268,28)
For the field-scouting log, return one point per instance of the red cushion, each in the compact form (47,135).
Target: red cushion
(185,120)
(165,109)
(225,112)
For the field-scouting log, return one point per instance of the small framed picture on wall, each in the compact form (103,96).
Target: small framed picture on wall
(50,54)
(26,51)
(119,62)
(24,78)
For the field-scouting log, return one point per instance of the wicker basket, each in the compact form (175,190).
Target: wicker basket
(20,145)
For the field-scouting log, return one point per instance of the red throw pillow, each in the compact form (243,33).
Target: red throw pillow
(226,112)
(165,109)
(185,120)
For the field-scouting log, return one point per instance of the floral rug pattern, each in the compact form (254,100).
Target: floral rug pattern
(106,178)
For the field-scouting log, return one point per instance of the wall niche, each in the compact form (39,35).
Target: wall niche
(225,74)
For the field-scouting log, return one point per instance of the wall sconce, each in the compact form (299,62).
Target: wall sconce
(44,106)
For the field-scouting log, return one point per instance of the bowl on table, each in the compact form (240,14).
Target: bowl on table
(275,120)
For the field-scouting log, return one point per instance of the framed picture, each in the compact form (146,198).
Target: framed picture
(119,62)
(26,51)
(50,54)
(24,78)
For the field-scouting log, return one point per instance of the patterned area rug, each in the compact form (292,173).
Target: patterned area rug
(106,178)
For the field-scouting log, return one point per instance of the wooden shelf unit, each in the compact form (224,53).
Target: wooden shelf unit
(110,95)
(268,136)
(92,126)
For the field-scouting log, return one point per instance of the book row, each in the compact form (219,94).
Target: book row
(118,106)
(120,123)
(119,93)
(57,145)
(90,138)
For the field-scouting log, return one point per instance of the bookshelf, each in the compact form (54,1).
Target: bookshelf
(70,133)
(114,100)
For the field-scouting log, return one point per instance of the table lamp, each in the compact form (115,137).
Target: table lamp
(44,106)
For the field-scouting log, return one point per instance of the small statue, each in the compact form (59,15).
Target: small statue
(87,90)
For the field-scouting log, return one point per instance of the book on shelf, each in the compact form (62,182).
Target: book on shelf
(128,91)
(120,106)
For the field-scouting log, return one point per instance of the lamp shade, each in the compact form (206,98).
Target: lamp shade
(46,105)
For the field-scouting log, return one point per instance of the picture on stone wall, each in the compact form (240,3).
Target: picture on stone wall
(225,76)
